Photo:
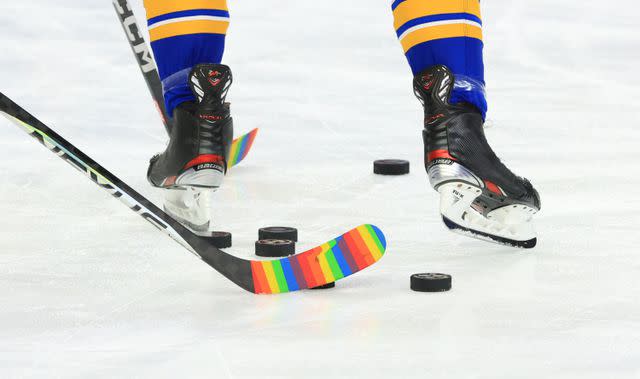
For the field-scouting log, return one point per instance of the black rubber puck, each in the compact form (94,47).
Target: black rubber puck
(430,282)
(326,286)
(221,240)
(275,248)
(391,167)
(278,233)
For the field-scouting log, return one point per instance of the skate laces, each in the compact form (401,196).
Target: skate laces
(211,130)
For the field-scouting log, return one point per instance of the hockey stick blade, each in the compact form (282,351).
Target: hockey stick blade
(353,251)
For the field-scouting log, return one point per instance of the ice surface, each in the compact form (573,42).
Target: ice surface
(90,290)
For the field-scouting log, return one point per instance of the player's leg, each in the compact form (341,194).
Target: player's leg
(442,40)
(188,38)
(445,32)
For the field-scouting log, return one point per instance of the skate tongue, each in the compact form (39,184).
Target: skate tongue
(210,83)
(433,86)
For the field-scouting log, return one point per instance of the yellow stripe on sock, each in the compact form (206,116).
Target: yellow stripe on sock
(439,32)
(188,27)
(157,8)
(411,9)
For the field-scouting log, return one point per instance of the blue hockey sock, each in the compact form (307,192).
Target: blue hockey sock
(447,32)
(183,34)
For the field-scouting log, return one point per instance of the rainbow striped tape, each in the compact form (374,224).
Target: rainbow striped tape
(241,146)
(332,261)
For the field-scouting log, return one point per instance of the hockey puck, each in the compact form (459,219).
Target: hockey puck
(221,240)
(430,282)
(326,286)
(391,167)
(278,233)
(274,248)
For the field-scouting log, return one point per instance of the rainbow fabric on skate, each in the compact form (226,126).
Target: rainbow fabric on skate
(352,252)
(241,147)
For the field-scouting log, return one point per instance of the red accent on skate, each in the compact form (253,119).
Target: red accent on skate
(434,118)
(493,187)
(216,81)
(435,154)
(429,81)
(204,158)
(211,117)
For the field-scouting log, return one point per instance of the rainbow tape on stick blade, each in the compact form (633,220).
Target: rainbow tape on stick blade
(353,251)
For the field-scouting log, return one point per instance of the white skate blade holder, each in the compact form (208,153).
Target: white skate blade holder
(207,175)
(191,206)
(509,225)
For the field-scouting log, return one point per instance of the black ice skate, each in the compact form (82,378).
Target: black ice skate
(201,135)
(195,161)
(479,195)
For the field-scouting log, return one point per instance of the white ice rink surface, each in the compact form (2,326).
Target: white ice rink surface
(89,290)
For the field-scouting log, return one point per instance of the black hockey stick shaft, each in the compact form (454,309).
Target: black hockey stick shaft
(143,57)
(236,269)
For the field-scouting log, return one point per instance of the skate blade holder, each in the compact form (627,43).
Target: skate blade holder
(191,206)
(509,222)
(203,178)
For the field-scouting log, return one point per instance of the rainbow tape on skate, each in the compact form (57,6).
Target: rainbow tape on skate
(241,147)
(332,261)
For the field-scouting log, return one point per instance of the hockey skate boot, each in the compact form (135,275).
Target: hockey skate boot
(201,135)
(195,161)
(479,195)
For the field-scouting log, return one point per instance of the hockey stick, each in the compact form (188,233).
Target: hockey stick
(143,57)
(351,252)
(240,146)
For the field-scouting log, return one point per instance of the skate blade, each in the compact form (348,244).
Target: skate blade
(191,206)
(509,225)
